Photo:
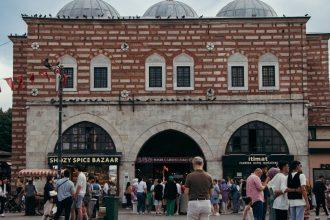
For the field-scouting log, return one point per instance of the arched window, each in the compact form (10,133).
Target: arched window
(87,137)
(70,68)
(238,72)
(100,76)
(155,72)
(183,72)
(257,138)
(268,72)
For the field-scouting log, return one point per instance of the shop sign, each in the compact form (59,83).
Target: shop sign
(271,160)
(163,160)
(72,160)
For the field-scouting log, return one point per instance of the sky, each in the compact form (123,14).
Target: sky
(11,21)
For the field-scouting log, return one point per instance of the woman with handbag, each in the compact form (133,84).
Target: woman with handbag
(48,198)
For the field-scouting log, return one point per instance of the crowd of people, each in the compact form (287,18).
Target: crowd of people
(279,192)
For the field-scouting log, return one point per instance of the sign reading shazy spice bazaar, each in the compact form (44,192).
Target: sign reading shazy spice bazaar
(85,160)
(271,160)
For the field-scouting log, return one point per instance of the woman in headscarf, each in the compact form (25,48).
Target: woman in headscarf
(170,194)
(224,189)
(271,174)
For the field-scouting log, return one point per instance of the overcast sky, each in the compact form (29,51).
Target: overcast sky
(11,22)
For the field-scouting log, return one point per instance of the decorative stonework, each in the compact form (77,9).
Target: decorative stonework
(277,124)
(146,135)
(67,123)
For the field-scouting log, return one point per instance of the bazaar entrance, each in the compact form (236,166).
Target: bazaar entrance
(167,153)
(252,145)
(88,145)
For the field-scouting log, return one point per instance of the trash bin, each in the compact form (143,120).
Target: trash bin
(111,205)
(91,206)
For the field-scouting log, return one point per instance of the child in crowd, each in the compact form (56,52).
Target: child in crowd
(248,213)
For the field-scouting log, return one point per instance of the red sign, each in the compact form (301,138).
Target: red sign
(163,160)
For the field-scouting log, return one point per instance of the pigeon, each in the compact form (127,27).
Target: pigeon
(47,64)
(201,16)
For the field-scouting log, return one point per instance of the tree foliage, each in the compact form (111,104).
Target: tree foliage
(5,129)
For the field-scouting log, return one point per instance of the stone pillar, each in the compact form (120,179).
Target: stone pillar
(305,164)
(214,168)
(126,168)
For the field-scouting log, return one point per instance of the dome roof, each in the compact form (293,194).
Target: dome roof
(170,8)
(89,8)
(247,8)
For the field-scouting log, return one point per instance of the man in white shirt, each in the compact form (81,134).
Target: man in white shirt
(80,192)
(279,186)
(141,196)
(178,198)
(298,199)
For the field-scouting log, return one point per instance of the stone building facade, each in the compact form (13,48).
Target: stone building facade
(210,110)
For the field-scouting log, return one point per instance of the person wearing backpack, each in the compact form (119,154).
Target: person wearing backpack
(96,193)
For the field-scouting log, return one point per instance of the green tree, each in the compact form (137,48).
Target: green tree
(5,129)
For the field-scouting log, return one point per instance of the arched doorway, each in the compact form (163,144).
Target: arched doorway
(167,153)
(88,145)
(252,145)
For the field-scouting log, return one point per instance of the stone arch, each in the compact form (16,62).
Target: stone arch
(169,125)
(67,123)
(278,125)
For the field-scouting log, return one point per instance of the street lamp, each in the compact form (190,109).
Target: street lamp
(58,70)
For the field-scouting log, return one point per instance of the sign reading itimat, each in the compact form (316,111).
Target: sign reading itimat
(90,160)
(270,160)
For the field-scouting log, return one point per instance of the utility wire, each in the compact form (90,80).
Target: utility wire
(5,43)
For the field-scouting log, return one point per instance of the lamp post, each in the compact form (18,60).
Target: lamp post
(58,70)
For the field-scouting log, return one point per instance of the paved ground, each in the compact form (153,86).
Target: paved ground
(126,216)
(130,216)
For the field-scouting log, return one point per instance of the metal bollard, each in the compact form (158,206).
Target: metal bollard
(111,205)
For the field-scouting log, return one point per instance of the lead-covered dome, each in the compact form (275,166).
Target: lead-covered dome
(247,8)
(89,9)
(170,8)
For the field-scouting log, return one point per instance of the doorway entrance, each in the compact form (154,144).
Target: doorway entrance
(167,153)
(252,145)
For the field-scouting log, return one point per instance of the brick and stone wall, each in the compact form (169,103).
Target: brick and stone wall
(19,105)
(318,88)
(209,123)
(84,40)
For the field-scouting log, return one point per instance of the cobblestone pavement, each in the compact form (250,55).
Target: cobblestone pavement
(130,216)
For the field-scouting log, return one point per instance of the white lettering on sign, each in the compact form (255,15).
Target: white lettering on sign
(85,160)
(257,159)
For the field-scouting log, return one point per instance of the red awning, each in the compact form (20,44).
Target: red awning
(37,172)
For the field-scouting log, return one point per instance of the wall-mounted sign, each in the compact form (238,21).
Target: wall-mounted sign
(241,160)
(163,160)
(85,160)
